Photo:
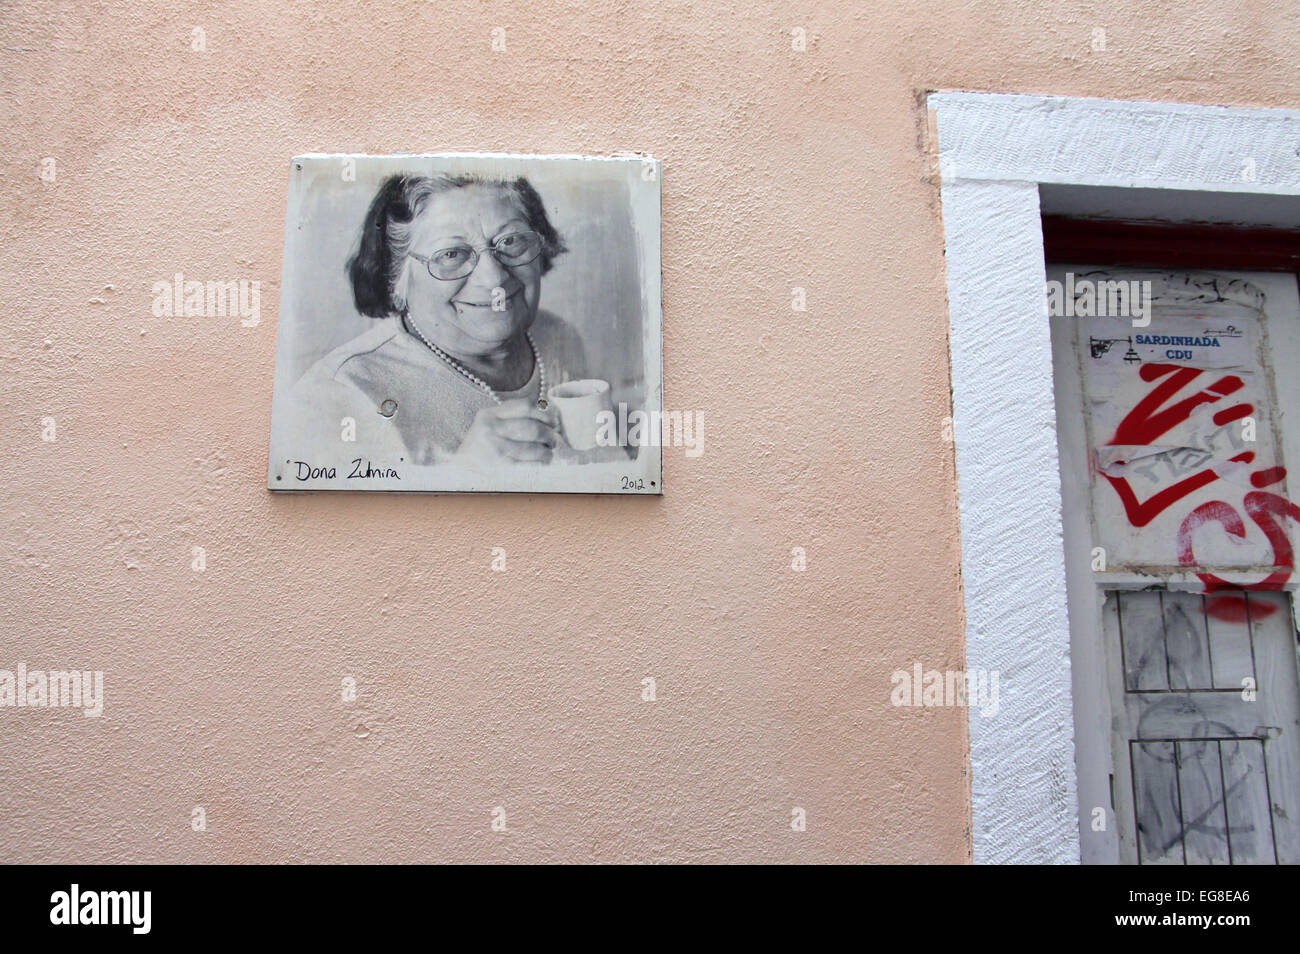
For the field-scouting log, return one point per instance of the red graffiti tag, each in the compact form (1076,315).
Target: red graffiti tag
(1262,508)
(1149,420)
(1140,513)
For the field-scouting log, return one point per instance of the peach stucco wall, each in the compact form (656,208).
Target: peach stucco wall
(521,689)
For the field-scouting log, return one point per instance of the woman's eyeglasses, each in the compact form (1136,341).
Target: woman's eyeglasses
(457,261)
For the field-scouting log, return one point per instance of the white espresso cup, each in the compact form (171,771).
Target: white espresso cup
(579,403)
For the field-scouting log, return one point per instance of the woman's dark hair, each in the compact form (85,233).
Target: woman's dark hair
(376,265)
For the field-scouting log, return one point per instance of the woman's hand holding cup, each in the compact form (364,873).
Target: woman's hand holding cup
(515,431)
(580,405)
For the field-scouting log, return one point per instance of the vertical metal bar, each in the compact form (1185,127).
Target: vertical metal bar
(1250,635)
(1268,794)
(1223,787)
(1164,640)
(1178,782)
(1119,622)
(1209,643)
(1132,778)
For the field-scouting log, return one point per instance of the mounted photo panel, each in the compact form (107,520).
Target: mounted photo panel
(453,323)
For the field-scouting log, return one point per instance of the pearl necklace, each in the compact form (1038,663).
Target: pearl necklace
(479,382)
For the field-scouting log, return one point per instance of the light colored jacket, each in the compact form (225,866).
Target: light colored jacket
(434,404)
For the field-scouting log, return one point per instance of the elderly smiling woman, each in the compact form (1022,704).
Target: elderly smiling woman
(459,363)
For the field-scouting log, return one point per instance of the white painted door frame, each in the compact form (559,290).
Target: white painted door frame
(994,151)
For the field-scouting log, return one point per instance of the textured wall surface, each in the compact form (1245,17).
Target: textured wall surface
(824,430)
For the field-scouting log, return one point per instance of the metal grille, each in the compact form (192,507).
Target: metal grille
(1202,801)
(1170,643)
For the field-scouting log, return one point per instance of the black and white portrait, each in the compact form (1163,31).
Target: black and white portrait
(469,323)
